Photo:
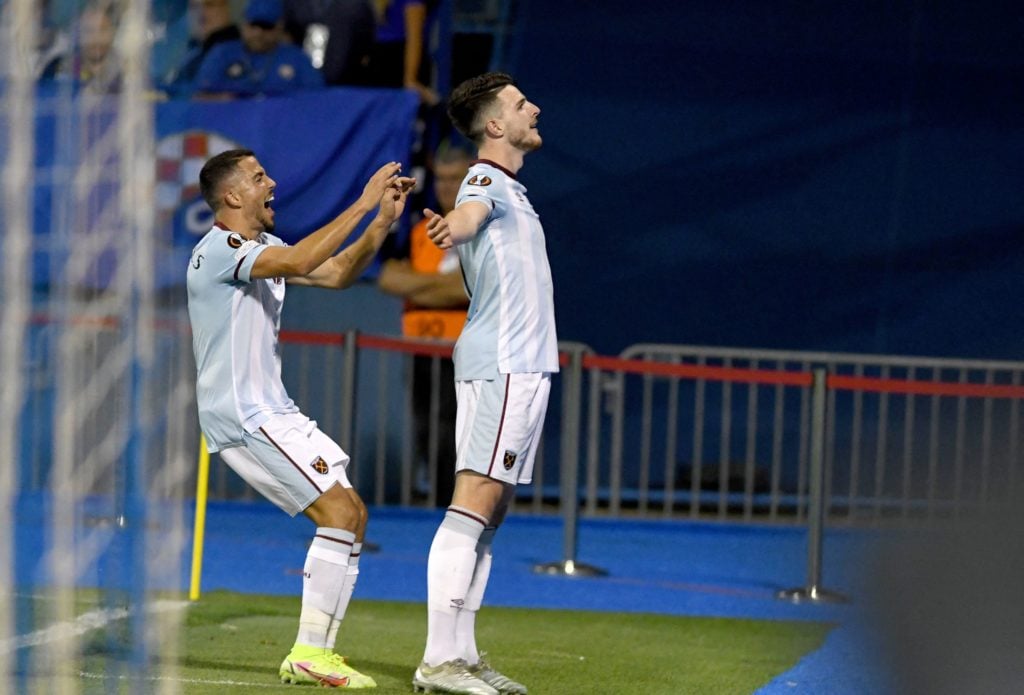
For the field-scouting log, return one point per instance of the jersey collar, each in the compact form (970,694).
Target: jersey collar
(495,165)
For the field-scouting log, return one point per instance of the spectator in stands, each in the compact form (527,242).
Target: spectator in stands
(211,24)
(94,64)
(504,361)
(398,51)
(430,281)
(171,28)
(397,61)
(52,43)
(261,63)
(337,35)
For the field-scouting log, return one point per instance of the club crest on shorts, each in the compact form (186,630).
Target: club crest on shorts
(509,460)
(320,466)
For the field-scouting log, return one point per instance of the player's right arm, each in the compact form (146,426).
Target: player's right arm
(458,226)
(311,252)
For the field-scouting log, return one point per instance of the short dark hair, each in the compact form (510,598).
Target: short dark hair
(471,98)
(216,169)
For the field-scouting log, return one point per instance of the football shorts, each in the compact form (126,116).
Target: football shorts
(498,425)
(289,461)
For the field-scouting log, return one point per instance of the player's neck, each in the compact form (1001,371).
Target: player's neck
(507,157)
(236,223)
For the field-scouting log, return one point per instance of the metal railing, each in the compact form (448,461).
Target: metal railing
(704,432)
(906,436)
(660,431)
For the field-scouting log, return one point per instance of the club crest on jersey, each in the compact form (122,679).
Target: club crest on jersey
(509,460)
(234,241)
(479,180)
(320,466)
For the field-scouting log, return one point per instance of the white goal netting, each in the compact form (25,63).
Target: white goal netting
(97,433)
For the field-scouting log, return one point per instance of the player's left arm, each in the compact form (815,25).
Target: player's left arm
(344,268)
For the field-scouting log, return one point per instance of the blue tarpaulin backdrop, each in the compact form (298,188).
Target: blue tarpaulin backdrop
(828,176)
(823,176)
(320,148)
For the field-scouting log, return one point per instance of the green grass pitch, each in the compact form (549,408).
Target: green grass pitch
(233,643)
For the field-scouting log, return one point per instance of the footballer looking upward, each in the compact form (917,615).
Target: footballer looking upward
(504,359)
(236,287)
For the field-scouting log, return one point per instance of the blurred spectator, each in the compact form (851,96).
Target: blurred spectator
(337,35)
(430,281)
(261,63)
(210,23)
(398,51)
(52,44)
(169,34)
(94,64)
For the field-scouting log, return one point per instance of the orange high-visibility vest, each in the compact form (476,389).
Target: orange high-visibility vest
(418,322)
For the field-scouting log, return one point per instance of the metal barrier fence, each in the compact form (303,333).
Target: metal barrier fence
(659,431)
(702,432)
(905,436)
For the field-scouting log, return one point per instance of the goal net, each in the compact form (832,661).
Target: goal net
(97,433)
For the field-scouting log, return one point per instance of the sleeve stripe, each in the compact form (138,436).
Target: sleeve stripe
(477,197)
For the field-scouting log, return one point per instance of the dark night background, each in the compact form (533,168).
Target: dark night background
(823,176)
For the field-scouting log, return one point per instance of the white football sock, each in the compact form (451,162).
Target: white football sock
(465,619)
(322,580)
(449,573)
(351,576)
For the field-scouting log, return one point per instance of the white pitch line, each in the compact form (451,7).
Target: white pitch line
(190,681)
(82,624)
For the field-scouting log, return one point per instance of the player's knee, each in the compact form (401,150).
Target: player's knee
(336,508)
(344,515)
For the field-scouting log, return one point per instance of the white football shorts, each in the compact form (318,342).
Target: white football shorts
(498,425)
(289,461)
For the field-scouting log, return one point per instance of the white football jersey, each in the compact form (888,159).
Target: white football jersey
(510,325)
(235,324)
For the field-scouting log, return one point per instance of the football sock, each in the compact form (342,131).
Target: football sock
(465,619)
(323,578)
(450,568)
(351,576)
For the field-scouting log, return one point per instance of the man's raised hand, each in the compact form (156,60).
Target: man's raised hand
(392,201)
(375,187)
